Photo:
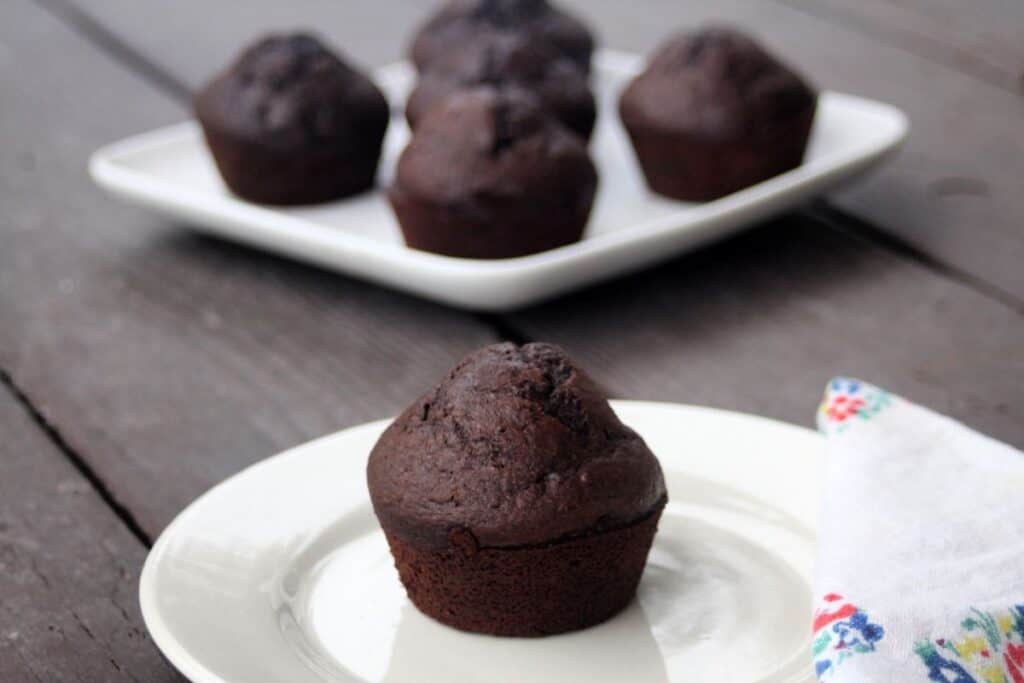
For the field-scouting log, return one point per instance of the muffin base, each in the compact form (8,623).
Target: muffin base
(527,591)
(696,169)
(264,175)
(497,230)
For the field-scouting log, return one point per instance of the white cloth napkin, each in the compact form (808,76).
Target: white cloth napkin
(921,568)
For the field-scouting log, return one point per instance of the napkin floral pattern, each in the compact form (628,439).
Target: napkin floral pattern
(847,401)
(841,631)
(943,507)
(989,649)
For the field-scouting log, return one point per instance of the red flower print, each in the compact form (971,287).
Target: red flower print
(843,407)
(1014,657)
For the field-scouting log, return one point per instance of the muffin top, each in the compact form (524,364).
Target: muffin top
(718,83)
(490,143)
(290,92)
(509,60)
(515,447)
(461,21)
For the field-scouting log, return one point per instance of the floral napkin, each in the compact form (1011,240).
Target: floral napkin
(921,571)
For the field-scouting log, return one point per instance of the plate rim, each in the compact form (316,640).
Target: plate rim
(192,669)
(527,279)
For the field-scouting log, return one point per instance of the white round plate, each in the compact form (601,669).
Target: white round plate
(282,574)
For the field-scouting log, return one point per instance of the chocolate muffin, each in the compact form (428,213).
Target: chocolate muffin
(513,499)
(291,123)
(488,174)
(460,22)
(510,61)
(714,113)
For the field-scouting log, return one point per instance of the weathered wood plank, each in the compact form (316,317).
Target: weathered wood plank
(68,570)
(760,324)
(167,360)
(953,192)
(369,33)
(982,38)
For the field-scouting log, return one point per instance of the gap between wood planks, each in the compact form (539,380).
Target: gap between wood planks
(920,44)
(849,224)
(79,463)
(121,52)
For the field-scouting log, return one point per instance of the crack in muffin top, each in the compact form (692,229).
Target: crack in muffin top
(516,446)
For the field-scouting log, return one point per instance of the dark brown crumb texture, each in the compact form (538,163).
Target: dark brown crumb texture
(488,174)
(531,591)
(291,123)
(714,113)
(462,21)
(509,61)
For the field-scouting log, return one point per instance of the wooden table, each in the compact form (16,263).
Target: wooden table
(141,363)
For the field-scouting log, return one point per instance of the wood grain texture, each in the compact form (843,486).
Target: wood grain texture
(953,192)
(68,570)
(760,323)
(981,38)
(170,361)
(368,33)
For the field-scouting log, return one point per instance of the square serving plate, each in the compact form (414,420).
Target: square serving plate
(171,171)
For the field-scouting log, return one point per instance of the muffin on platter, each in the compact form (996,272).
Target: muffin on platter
(291,123)
(714,113)
(489,174)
